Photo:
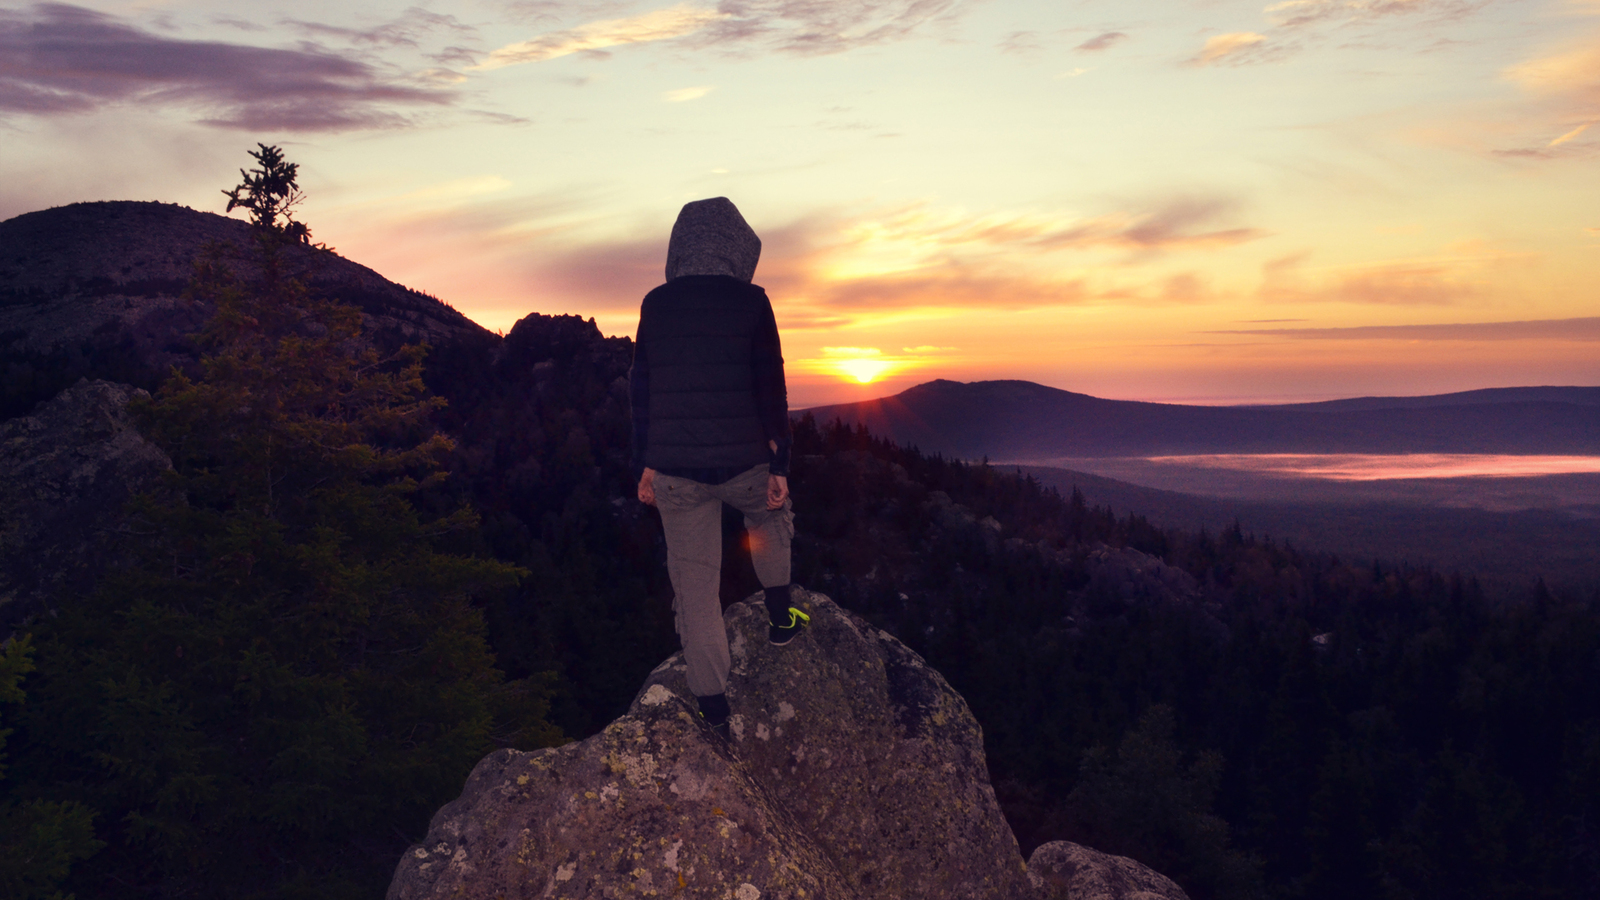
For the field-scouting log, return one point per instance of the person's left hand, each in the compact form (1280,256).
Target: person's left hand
(647,487)
(777,491)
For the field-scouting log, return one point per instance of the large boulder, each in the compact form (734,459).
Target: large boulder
(1125,573)
(66,471)
(1062,870)
(853,770)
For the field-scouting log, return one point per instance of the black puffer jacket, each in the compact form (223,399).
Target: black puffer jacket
(707,381)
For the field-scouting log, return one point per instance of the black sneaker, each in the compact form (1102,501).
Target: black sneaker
(779,635)
(714,710)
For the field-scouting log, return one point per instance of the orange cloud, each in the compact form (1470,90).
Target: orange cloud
(918,259)
(657,25)
(1567,73)
(1233,48)
(491,255)
(1182,222)
(947,289)
(812,28)
(1571,134)
(1459,274)
(1404,284)
(1298,23)
(1565,88)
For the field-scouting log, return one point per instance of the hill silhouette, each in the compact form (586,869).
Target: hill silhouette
(1018,421)
(1581,396)
(96,290)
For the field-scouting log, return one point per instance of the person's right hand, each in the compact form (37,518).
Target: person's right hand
(777,491)
(647,487)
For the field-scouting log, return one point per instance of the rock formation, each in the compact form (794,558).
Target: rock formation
(853,770)
(65,473)
(1062,870)
(1128,574)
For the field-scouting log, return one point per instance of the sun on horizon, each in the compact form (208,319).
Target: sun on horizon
(863,365)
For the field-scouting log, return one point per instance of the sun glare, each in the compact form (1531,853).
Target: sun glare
(863,370)
(857,365)
(860,364)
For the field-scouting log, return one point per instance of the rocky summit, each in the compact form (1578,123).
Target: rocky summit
(852,770)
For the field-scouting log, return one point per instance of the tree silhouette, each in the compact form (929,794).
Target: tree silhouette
(39,839)
(270,193)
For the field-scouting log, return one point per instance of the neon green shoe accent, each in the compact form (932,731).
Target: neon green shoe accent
(797,618)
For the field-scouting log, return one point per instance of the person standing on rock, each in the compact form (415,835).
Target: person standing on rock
(711,426)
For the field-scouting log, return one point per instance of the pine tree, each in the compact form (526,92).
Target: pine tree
(40,840)
(1143,803)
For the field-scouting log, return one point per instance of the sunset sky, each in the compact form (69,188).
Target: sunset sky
(1199,202)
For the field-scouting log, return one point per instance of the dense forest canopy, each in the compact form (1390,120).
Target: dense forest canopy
(368,570)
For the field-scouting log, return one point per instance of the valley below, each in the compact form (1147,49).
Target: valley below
(1508,529)
(1500,483)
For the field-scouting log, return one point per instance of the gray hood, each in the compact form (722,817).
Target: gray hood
(711,238)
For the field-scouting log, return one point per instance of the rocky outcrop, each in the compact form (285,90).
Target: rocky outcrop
(1126,573)
(95,290)
(852,771)
(65,473)
(1061,870)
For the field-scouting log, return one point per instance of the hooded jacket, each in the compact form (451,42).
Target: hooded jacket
(707,384)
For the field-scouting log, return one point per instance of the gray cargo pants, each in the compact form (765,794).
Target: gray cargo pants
(691,516)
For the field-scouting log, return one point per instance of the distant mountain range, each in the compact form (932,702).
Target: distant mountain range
(1015,421)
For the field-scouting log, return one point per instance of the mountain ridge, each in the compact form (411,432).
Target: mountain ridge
(1018,421)
(1576,394)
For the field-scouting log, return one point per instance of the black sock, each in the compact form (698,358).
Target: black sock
(778,604)
(714,708)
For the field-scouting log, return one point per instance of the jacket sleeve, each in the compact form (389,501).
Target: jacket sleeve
(772,394)
(639,401)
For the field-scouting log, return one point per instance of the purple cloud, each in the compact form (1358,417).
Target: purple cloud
(1300,13)
(58,59)
(1580,329)
(739,28)
(1102,41)
(404,31)
(819,27)
(1021,42)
